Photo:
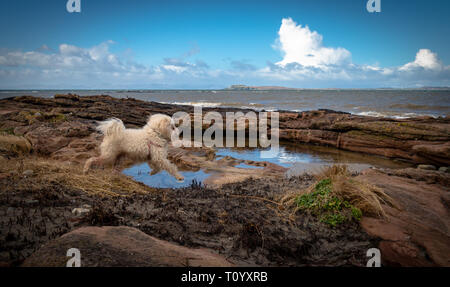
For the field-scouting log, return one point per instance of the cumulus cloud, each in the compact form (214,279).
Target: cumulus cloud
(425,59)
(96,58)
(305,47)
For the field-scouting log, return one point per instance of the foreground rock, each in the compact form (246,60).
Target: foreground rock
(421,140)
(417,233)
(121,246)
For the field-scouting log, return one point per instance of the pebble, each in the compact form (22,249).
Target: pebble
(80,211)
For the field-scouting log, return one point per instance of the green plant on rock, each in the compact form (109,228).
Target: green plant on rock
(333,219)
(330,208)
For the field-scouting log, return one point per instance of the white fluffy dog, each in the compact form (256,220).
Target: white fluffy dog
(148,143)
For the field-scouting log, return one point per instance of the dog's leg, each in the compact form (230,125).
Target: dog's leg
(155,168)
(171,168)
(103,159)
(89,163)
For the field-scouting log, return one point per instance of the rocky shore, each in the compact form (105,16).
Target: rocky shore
(237,219)
(419,140)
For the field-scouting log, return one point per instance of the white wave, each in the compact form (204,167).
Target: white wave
(392,115)
(251,108)
(195,104)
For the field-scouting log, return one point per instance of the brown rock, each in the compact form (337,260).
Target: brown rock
(417,233)
(121,246)
(47,138)
(67,97)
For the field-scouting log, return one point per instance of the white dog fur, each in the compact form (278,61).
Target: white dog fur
(148,143)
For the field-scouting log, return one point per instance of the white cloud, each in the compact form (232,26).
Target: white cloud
(97,58)
(424,59)
(302,46)
(174,68)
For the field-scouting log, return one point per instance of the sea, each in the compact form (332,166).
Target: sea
(393,103)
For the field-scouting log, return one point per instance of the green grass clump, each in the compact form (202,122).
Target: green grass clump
(323,203)
(55,118)
(31,117)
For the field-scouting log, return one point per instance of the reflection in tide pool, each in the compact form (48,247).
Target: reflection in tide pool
(291,155)
(285,158)
(141,173)
(243,165)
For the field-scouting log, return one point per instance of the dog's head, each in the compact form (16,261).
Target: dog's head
(162,124)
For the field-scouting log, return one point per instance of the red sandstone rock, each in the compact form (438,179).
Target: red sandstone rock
(418,233)
(121,246)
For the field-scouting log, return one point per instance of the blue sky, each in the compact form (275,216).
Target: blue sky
(213,44)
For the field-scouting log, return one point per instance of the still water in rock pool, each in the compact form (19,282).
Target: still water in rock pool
(141,173)
(297,158)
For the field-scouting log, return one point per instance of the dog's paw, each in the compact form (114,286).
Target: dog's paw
(180,178)
(153,172)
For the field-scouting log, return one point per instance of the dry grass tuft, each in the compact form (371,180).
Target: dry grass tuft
(105,182)
(367,197)
(336,190)
(14,145)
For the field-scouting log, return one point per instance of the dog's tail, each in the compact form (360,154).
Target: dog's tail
(111,127)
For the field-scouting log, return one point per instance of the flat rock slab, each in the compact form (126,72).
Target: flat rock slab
(121,247)
(417,233)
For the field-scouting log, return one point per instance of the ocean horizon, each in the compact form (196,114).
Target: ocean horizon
(382,102)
